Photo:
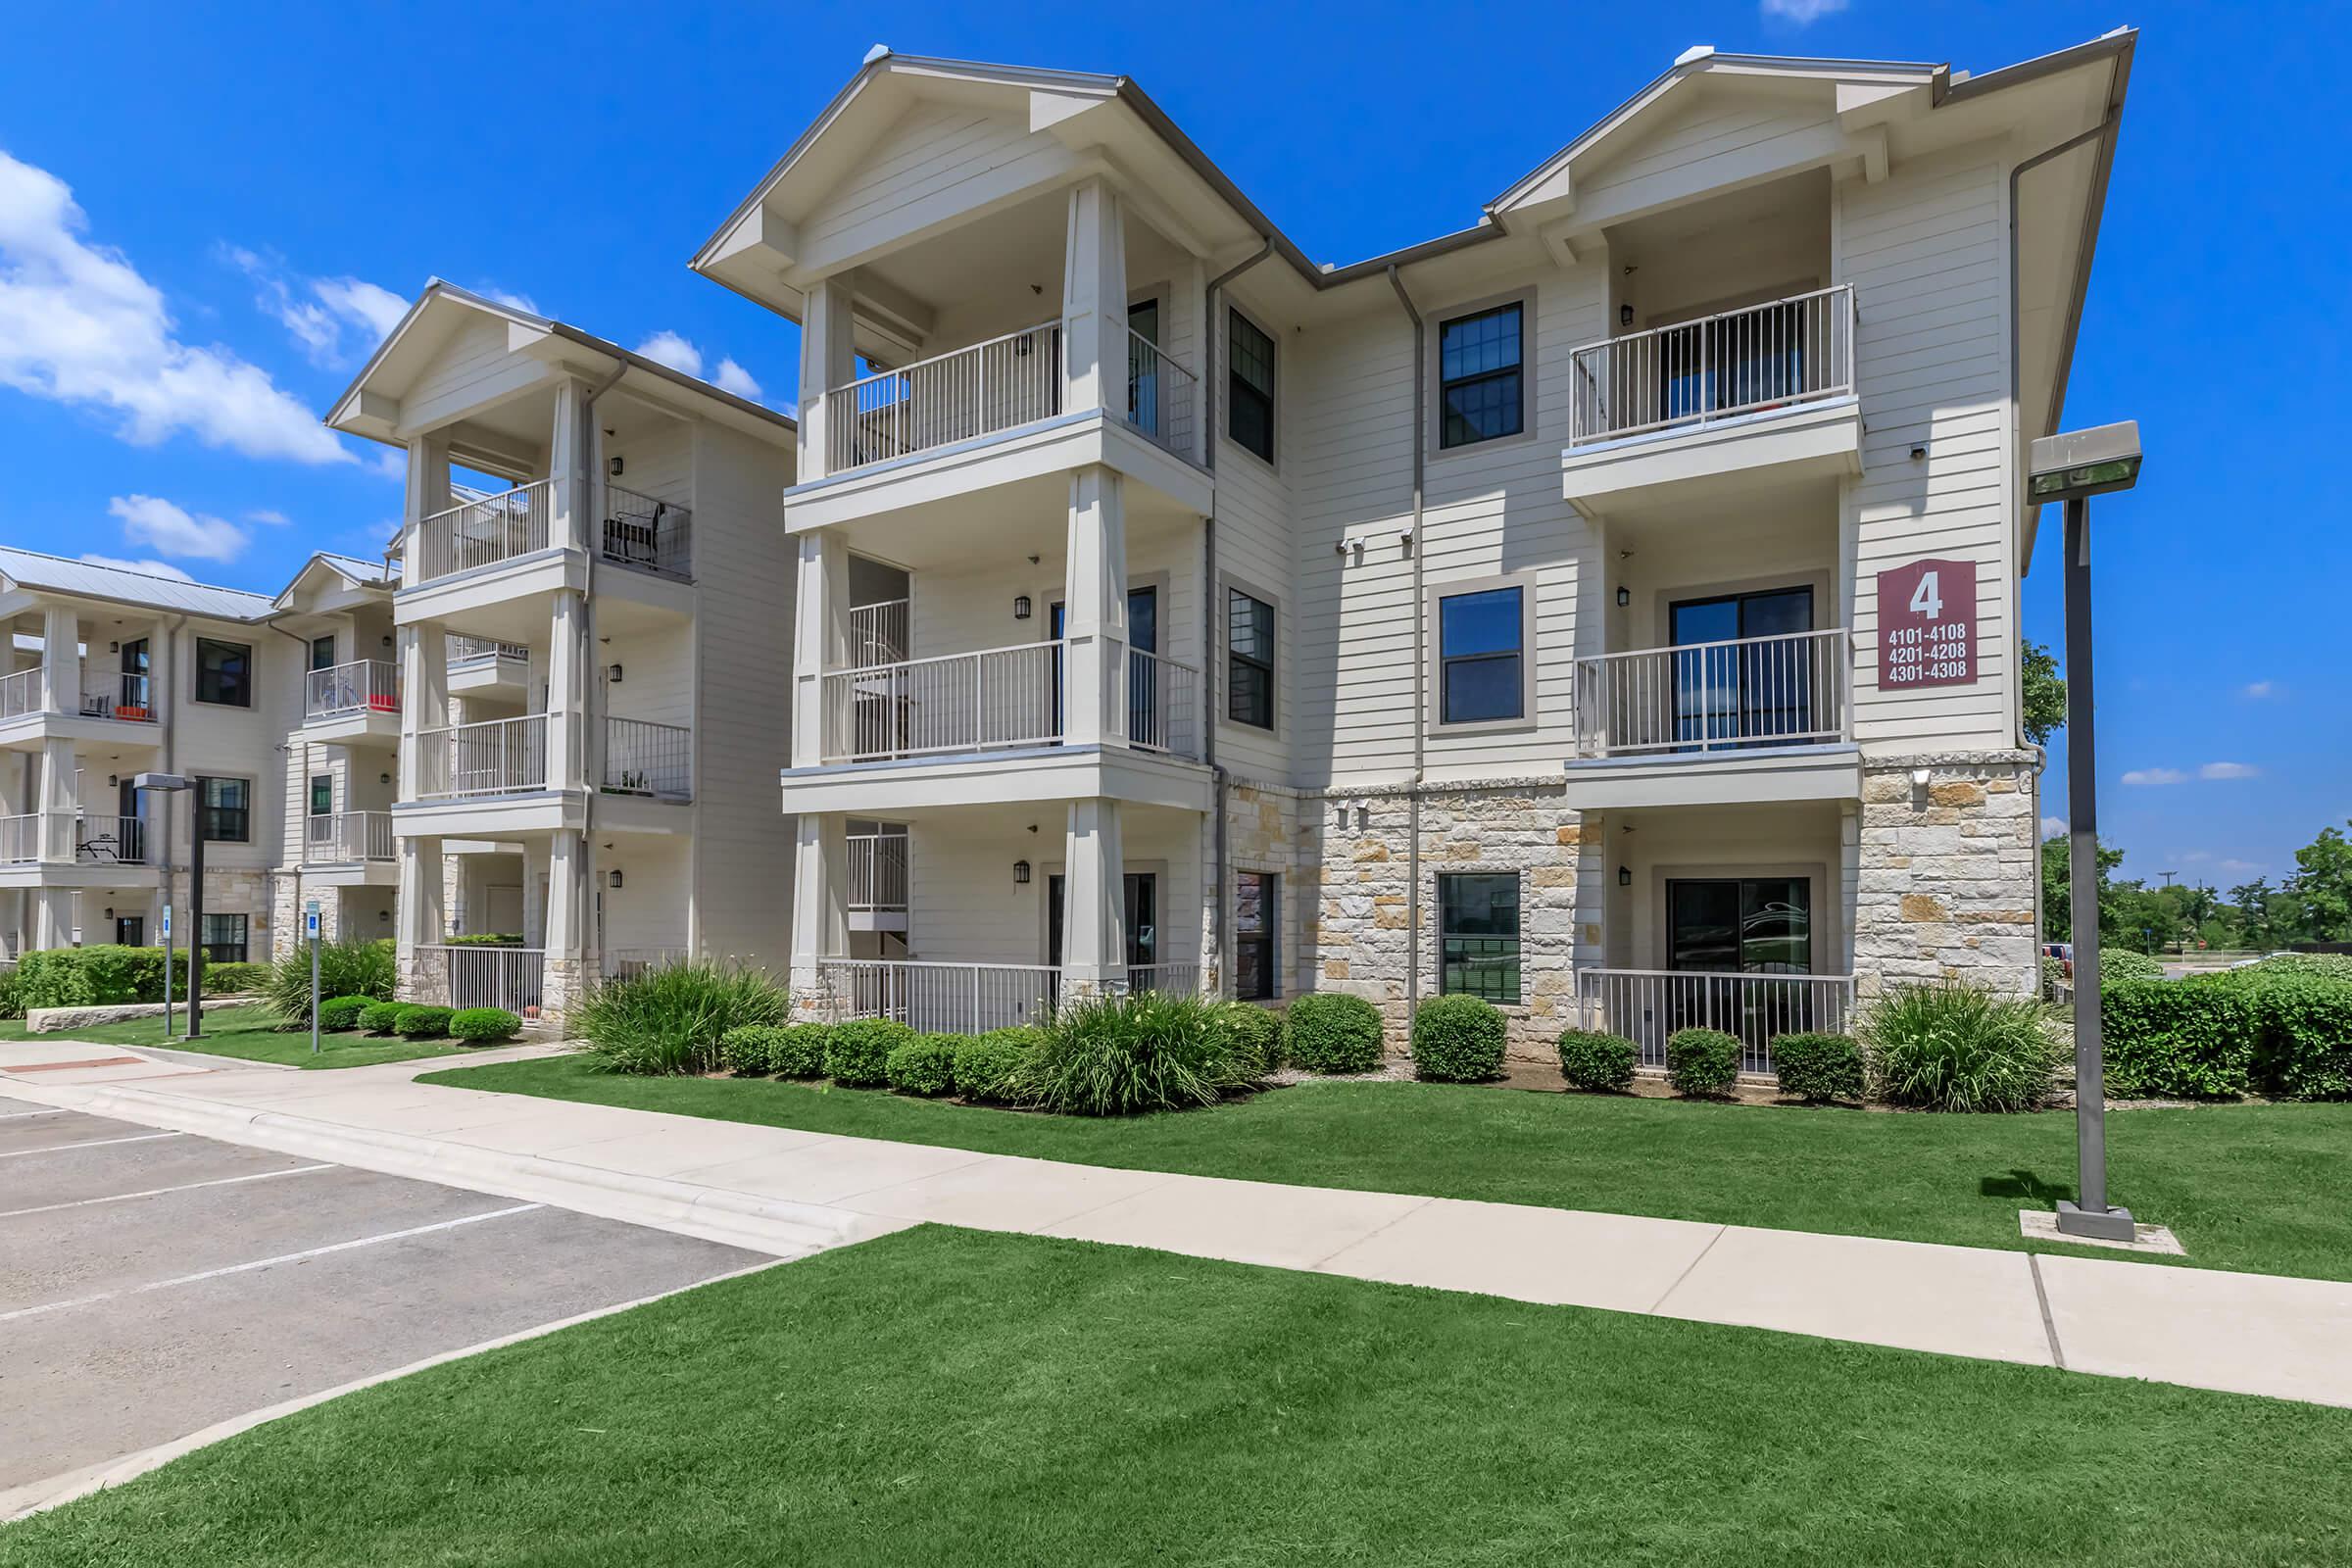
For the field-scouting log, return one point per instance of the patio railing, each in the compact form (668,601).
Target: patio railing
(967,392)
(363,686)
(471,976)
(497,756)
(1702,697)
(642,757)
(481,533)
(1647,1005)
(341,838)
(643,532)
(1692,374)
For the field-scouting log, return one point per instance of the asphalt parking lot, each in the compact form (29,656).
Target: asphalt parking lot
(153,1284)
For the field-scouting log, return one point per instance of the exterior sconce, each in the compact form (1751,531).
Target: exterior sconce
(1020,606)
(1624,315)
(114,647)
(383,778)
(613,673)
(1625,877)
(1020,873)
(612,877)
(1624,598)
(613,466)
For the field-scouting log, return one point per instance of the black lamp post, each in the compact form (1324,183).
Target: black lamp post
(177,784)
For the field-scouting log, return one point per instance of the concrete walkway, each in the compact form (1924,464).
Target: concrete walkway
(790,1192)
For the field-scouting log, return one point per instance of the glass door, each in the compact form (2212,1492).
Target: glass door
(1740,926)
(1730,689)
(1143,366)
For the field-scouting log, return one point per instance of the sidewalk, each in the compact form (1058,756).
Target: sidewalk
(791,1193)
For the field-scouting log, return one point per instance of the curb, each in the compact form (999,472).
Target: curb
(779,1227)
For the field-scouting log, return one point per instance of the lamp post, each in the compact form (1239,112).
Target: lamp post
(176,784)
(2072,468)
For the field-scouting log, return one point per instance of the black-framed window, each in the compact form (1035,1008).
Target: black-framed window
(1478,935)
(1481,661)
(1257,936)
(322,651)
(224,809)
(1249,385)
(223,938)
(323,795)
(1248,660)
(223,672)
(1482,393)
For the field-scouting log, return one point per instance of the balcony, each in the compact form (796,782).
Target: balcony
(351,702)
(877,868)
(482,665)
(648,759)
(496,756)
(999,698)
(347,838)
(479,976)
(968,999)
(483,534)
(64,848)
(1767,385)
(105,700)
(1647,1005)
(646,534)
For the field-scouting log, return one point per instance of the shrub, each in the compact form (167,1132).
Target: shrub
(924,1065)
(670,1019)
(422,1022)
(857,1053)
(344,969)
(378,1017)
(1331,1031)
(986,1069)
(1818,1068)
(1702,1062)
(1949,1045)
(1458,1039)
(12,1001)
(2120,964)
(1598,1062)
(483,1026)
(1255,1033)
(338,1014)
(2303,1035)
(99,975)
(245,979)
(2053,975)
(749,1048)
(799,1050)
(486,939)
(2307,965)
(2181,1039)
(1120,1055)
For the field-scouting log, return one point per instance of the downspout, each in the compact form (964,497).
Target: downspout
(1220,835)
(1412,852)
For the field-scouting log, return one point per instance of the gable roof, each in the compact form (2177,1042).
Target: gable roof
(352,571)
(31,570)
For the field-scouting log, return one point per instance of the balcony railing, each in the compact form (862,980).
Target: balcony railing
(649,534)
(1790,352)
(20,839)
(466,651)
(877,870)
(343,838)
(498,757)
(85,840)
(968,392)
(1160,713)
(877,633)
(484,532)
(21,692)
(647,759)
(632,963)
(1160,394)
(109,841)
(363,686)
(969,999)
(1746,692)
(468,975)
(1647,1005)
(1002,697)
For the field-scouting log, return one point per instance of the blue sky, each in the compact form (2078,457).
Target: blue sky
(249,197)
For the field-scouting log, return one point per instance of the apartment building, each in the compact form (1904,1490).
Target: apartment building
(112,673)
(559,721)
(1609,608)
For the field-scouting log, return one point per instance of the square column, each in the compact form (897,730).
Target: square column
(1093,890)
(566,690)
(60,661)
(828,360)
(427,492)
(820,900)
(570,440)
(424,704)
(419,920)
(820,638)
(1093,301)
(60,801)
(1094,707)
(52,918)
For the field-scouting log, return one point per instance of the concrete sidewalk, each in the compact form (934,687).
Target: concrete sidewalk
(788,1193)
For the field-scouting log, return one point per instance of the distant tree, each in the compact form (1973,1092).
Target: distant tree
(2323,886)
(2057,891)
(2045,692)
(2251,903)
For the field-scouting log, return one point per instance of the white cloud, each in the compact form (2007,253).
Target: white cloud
(2259,690)
(2229,770)
(511,300)
(2154,775)
(1801,13)
(153,568)
(668,348)
(337,320)
(733,378)
(2053,828)
(275,520)
(2239,868)
(392,463)
(80,324)
(157,524)
(362,303)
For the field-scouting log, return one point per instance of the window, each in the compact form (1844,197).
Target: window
(1257,923)
(223,672)
(1249,386)
(223,938)
(224,809)
(1742,674)
(1480,394)
(322,651)
(1481,664)
(323,795)
(1477,936)
(1248,660)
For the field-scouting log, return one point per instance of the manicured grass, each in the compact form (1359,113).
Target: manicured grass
(946,1397)
(251,1034)
(2261,1188)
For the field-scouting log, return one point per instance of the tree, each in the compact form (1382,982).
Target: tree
(2045,692)
(2323,885)
(2252,902)
(2057,891)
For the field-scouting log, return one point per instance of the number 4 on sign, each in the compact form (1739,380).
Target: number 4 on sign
(1928,599)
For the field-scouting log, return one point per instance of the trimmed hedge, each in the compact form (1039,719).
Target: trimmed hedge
(1603,1063)
(857,1053)
(749,1048)
(1818,1068)
(483,1026)
(1702,1062)
(340,1014)
(2175,1040)
(987,1070)
(379,1017)
(799,1050)
(1333,1032)
(2303,1037)
(1254,1031)
(2120,964)
(1458,1039)
(924,1065)
(422,1023)
(101,975)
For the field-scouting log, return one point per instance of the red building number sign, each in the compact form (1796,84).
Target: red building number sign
(1927,624)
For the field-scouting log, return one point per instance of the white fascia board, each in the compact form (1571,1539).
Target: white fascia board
(1724,779)
(1001,778)
(1826,435)
(491,816)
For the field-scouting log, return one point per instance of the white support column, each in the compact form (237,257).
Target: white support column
(1094,916)
(567,449)
(60,801)
(1094,300)
(1093,709)
(425,698)
(820,638)
(828,360)
(567,683)
(420,921)
(52,918)
(60,661)
(567,890)
(427,493)
(820,899)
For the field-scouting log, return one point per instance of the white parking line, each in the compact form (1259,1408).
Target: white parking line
(158,1192)
(95,1143)
(265,1263)
(20,1115)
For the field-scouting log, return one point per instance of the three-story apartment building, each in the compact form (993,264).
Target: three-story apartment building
(1609,608)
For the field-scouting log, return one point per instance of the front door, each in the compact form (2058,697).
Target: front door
(1730,686)
(1747,926)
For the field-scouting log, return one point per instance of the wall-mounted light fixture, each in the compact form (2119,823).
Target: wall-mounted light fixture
(612,877)
(1918,453)
(114,781)
(1624,315)
(1020,873)
(613,673)
(114,647)
(613,466)
(1624,598)
(1625,877)
(1022,606)
(383,778)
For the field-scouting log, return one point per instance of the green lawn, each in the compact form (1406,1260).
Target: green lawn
(2261,1188)
(946,1397)
(251,1034)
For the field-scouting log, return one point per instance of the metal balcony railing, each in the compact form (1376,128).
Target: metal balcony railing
(498,757)
(1160,713)
(968,392)
(464,650)
(632,963)
(469,975)
(1160,394)
(877,870)
(21,692)
(647,758)
(645,533)
(481,533)
(1788,352)
(342,838)
(1789,690)
(1647,1005)
(877,633)
(363,686)
(1001,697)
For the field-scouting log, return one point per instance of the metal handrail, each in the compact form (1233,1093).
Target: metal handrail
(1790,689)
(335,838)
(981,388)
(1160,394)
(480,533)
(1687,373)
(1648,1006)
(363,685)
(642,757)
(647,532)
(494,757)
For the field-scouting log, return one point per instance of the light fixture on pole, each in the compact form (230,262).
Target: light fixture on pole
(2072,467)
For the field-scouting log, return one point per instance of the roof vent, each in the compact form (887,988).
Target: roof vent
(1697,51)
(880,51)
